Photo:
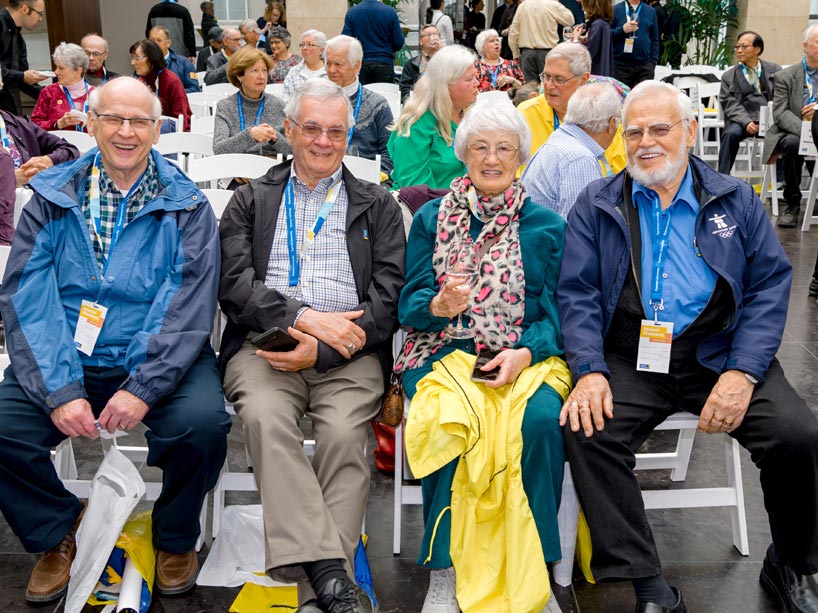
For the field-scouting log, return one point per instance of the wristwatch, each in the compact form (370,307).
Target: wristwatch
(751,378)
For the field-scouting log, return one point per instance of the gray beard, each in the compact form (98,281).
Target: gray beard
(660,176)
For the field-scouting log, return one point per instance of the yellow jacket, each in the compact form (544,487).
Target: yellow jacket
(540,118)
(495,546)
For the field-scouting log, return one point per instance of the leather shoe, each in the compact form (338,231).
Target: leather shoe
(793,592)
(176,572)
(341,595)
(813,287)
(49,579)
(643,606)
(789,218)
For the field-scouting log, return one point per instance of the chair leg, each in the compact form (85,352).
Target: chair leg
(398,484)
(774,180)
(813,189)
(218,502)
(684,447)
(738,514)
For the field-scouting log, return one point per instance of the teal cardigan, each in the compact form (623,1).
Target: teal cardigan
(423,157)
(542,237)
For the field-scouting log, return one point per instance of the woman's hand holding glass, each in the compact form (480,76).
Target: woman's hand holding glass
(451,300)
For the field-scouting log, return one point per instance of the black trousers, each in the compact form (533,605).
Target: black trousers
(793,167)
(779,430)
(731,138)
(376,72)
(187,439)
(633,75)
(532,63)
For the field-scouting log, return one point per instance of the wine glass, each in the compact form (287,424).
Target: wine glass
(567,34)
(461,268)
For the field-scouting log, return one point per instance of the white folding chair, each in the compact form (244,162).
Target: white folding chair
(189,143)
(204,104)
(229,165)
(226,89)
(218,199)
(705,97)
(80,140)
(179,122)
(809,217)
(384,88)
(21,197)
(363,168)
(275,89)
(203,125)
(769,180)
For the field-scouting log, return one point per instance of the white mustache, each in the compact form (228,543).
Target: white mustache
(648,150)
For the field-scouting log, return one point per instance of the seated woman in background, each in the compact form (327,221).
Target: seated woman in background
(148,63)
(64,105)
(313,43)
(421,143)
(249,121)
(493,72)
(517,245)
(596,35)
(279,40)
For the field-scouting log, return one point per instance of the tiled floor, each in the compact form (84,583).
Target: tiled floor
(695,545)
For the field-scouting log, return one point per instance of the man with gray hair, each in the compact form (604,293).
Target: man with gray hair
(96,48)
(251,33)
(177,64)
(371,113)
(574,156)
(673,297)
(217,63)
(315,258)
(108,300)
(567,68)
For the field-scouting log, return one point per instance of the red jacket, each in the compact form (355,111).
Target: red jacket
(171,94)
(51,105)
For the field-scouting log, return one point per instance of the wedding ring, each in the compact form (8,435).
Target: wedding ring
(351,347)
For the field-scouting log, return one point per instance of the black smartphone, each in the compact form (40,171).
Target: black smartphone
(274,339)
(483,358)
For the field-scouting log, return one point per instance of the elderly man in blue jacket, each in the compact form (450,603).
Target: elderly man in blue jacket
(673,296)
(107,300)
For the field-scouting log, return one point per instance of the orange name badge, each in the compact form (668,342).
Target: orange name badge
(89,325)
(655,342)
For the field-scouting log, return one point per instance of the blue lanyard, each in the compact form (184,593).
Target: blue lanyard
(608,171)
(660,243)
(292,235)
(757,71)
(355,113)
(556,120)
(808,82)
(94,205)
(493,74)
(84,106)
(258,112)
(4,135)
(634,13)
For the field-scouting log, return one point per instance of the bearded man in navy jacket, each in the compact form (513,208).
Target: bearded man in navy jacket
(672,250)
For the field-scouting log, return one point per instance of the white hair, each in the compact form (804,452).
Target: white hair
(481,39)
(320,37)
(96,94)
(592,106)
(808,32)
(577,56)
(323,90)
(355,50)
(250,25)
(651,89)
(486,117)
(71,55)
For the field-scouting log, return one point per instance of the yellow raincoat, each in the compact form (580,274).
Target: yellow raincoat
(495,546)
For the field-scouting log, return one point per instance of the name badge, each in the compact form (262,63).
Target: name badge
(655,339)
(629,45)
(89,325)
(806,146)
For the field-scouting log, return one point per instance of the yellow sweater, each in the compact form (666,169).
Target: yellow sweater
(495,547)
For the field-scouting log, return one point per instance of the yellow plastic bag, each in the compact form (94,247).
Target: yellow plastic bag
(134,543)
(253,598)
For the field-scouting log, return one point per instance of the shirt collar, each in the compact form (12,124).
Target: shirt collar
(582,136)
(686,192)
(325,182)
(106,185)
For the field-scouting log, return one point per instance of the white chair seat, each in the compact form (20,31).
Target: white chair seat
(218,199)
(362,168)
(229,165)
(80,140)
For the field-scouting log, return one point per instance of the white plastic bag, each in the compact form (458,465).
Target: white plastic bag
(238,551)
(115,490)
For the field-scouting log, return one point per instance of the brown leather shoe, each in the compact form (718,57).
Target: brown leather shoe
(49,579)
(176,572)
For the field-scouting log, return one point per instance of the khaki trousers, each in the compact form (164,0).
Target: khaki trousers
(311,512)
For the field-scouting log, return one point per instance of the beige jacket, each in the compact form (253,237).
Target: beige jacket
(535,25)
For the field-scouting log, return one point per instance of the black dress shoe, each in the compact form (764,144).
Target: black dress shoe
(794,592)
(813,287)
(789,218)
(643,606)
(342,596)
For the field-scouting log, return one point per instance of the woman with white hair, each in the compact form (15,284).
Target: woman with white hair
(64,105)
(279,40)
(494,72)
(421,141)
(490,453)
(312,48)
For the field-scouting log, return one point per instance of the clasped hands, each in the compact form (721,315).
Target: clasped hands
(590,403)
(124,411)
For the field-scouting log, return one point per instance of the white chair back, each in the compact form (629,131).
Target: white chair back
(275,89)
(203,125)
(204,104)
(198,145)
(225,89)
(21,197)
(362,168)
(80,140)
(218,199)
(229,165)
(179,121)
(5,250)
(383,88)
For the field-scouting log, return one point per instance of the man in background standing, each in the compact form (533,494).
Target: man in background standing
(177,20)
(377,27)
(13,54)
(635,38)
(533,33)
(209,20)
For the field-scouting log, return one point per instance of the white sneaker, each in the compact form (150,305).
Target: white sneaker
(441,595)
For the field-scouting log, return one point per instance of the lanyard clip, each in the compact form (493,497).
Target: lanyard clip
(657,306)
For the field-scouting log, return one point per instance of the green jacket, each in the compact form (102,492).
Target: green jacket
(423,157)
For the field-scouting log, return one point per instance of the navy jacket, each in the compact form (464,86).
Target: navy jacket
(377,27)
(646,44)
(184,70)
(747,255)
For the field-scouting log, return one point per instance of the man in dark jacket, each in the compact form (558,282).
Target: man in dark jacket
(177,20)
(178,64)
(209,20)
(215,45)
(745,88)
(673,297)
(635,40)
(377,27)
(312,251)
(429,45)
(16,74)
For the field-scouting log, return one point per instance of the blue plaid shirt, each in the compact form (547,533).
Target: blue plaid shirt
(326,283)
(110,199)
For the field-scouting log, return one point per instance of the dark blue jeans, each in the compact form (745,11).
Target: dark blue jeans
(187,439)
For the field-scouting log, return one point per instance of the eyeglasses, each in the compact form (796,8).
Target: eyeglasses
(96,53)
(138,124)
(138,58)
(313,132)
(558,81)
(307,46)
(657,130)
(40,13)
(505,151)
(741,47)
